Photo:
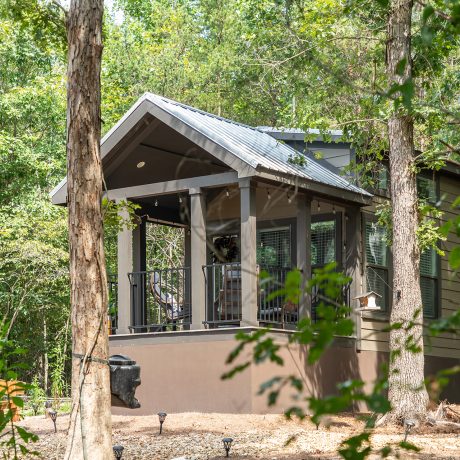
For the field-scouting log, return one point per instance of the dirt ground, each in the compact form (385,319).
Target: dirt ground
(196,436)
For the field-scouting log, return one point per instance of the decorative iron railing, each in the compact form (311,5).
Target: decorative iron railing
(273,306)
(112,287)
(223,294)
(160,300)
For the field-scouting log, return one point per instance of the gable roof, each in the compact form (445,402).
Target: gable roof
(246,149)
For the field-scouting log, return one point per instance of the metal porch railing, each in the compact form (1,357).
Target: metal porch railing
(160,300)
(318,297)
(275,309)
(112,287)
(224,302)
(223,294)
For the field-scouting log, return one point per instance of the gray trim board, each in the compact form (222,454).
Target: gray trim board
(173,186)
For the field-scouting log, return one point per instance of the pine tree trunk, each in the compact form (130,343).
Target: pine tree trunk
(407,393)
(90,424)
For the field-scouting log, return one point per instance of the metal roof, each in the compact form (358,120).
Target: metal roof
(252,145)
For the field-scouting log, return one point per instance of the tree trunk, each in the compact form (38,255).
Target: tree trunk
(46,360)
(407,393)
(90,424)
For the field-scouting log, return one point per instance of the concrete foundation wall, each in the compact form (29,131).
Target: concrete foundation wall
(181,372)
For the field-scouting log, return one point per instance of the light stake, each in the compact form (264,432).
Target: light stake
(53,415)
(162,418)
(118,450)
(227,445)
(408,424)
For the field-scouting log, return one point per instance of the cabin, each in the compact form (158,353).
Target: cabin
(249,200)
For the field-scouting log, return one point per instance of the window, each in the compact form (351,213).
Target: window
(325,235)
(377,181)
(377,261)
(323,242)
(274,247)
(429,282)
(427,189)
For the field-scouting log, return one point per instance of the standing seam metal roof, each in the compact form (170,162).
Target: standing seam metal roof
(251,145)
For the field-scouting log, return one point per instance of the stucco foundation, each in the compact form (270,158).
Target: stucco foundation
(181,372)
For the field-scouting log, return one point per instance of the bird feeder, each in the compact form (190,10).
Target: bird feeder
(367,301)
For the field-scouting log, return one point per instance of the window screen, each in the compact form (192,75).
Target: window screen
(323,242)
(376,246)
(377,261)
(429,281)
(274,247)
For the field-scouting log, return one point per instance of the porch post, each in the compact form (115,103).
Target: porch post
(248,253)
(198,255)
(304,250)
(353,262)
(138,300)
(125,266)
(187,265)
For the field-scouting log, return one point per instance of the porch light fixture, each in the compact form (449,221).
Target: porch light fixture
(53,415)
(118,450)
(367,301)
(162,418)
(227,445)
(141,164)
(408,425)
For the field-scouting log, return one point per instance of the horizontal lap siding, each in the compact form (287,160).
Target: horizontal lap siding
(375,338)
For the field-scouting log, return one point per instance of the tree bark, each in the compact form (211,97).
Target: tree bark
(407,393)
(90,423)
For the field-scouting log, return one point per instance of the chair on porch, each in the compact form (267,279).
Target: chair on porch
(173,309)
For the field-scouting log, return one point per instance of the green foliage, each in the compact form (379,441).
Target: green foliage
(14,439)
(36,395)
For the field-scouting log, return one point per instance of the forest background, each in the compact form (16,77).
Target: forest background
(285,63)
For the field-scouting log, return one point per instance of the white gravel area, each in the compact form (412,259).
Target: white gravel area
(197,436)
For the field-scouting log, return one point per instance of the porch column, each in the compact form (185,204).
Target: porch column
(125,266)
(198,256)
(304,250)
(353,262)
(187,264)
(138,310)
(248,253)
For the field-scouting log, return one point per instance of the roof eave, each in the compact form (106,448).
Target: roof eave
(362,199)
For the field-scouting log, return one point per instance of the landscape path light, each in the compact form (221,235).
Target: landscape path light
(227,445)
(408,425)
(162,418)
(118,450)
(53,414)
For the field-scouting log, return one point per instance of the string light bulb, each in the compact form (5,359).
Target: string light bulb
(319,207)
(227,193)
(333,209)
(156,203)
(180,199)
(269,197)
(289,198)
